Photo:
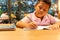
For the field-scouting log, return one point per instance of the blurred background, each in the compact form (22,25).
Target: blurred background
(21,8)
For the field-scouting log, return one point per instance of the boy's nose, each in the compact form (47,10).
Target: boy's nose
(41,10)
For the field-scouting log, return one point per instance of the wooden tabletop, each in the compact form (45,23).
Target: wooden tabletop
(20,34)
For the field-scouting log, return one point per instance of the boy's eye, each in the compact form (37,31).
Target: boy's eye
(42,8)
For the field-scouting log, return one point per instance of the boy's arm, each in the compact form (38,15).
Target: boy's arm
(21,24)
(55,26)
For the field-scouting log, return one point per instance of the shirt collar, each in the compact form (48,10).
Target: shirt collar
(36,18)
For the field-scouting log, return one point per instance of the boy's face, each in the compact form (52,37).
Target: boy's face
(41,9)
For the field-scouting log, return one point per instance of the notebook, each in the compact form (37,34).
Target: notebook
(7,27)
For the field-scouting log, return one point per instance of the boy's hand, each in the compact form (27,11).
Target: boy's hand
(54,27)
(31,25)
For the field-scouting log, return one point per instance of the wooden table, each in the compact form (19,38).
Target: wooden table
(20,34)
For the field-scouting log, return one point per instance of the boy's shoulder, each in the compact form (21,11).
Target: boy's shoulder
(49,15)
(31,14)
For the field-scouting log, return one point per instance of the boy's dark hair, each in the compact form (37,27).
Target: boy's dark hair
(45,1)
(5,12)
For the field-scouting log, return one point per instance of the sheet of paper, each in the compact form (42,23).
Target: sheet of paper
(41,27)
(38,28)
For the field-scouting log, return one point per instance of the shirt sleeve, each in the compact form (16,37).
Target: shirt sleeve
(52,20)
(56,19)
(26,19)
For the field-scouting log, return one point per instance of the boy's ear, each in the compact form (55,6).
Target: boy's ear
(35,7)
